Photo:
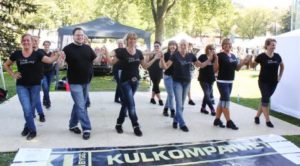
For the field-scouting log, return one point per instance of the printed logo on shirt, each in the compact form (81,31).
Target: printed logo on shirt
(26,61)
(232,60)
(130,60)
(270,61)
(184,62)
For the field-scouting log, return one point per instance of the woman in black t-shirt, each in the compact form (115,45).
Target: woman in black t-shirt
(181,61)
(226,64)
(168,80)
(269,76)
(28,78)
(206,79)
(129,59)
(155,73)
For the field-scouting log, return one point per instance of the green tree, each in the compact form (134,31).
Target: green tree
(12,26)
(286,22)
(252,22)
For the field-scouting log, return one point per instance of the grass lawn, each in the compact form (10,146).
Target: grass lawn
(245,92)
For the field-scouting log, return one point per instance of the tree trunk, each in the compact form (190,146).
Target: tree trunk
(159,30)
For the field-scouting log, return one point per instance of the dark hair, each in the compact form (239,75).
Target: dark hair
(157,42)
(172,42)
(268,42)
(46,41)
(76,29)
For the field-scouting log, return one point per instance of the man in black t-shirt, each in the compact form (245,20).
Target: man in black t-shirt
(79,58)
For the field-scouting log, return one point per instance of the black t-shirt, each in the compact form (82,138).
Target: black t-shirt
(47,67)
(182,66)
(155,72)
(170,70)
(207,73)
(129,64)
(269,67)
(80,60)
(30,67)
(227,66)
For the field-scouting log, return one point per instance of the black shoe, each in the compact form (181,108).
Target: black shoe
(31,135)
(47,106)
(137,131)
(191,102)
(25,131)
(42,118)
(256,120)
(175,125)
(172,113)
(218,122)
(269,124)
(184,128)
(161,102)
(231,125)
(213,113)
(204,111)
(165,113)
(75,130)
(152,101)
(118,101)
(119,129)
(88,104)
(86,135)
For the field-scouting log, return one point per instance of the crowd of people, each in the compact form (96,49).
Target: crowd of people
(175,67)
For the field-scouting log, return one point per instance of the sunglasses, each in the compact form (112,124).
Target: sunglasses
(156,46)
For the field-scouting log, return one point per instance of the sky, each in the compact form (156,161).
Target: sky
(265,3)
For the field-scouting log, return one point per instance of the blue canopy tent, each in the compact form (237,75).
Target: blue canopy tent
(102,27)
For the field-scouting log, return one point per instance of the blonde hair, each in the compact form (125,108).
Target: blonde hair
(225,41)
(128,36)
(268,42)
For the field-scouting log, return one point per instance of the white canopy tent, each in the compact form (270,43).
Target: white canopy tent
(179,37)
(286,98)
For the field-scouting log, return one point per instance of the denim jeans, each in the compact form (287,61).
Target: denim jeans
(79,111)
(180,91)
(225,91)
(128,89)
(28,96)
(168,80)
(38,105)
(46,82)
(207,91)
(117,79)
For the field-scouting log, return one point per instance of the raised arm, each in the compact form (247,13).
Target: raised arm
(163,64)
(54,56)
(145,64)
(243,62)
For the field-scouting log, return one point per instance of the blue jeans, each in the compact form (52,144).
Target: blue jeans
(38,105)
(207,90)
(168,80)
(117,79)
(225,91)
(128,89)
(28,96)
(46,82)
(180,91)
(79,111)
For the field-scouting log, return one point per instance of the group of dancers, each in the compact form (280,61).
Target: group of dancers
(176,64)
